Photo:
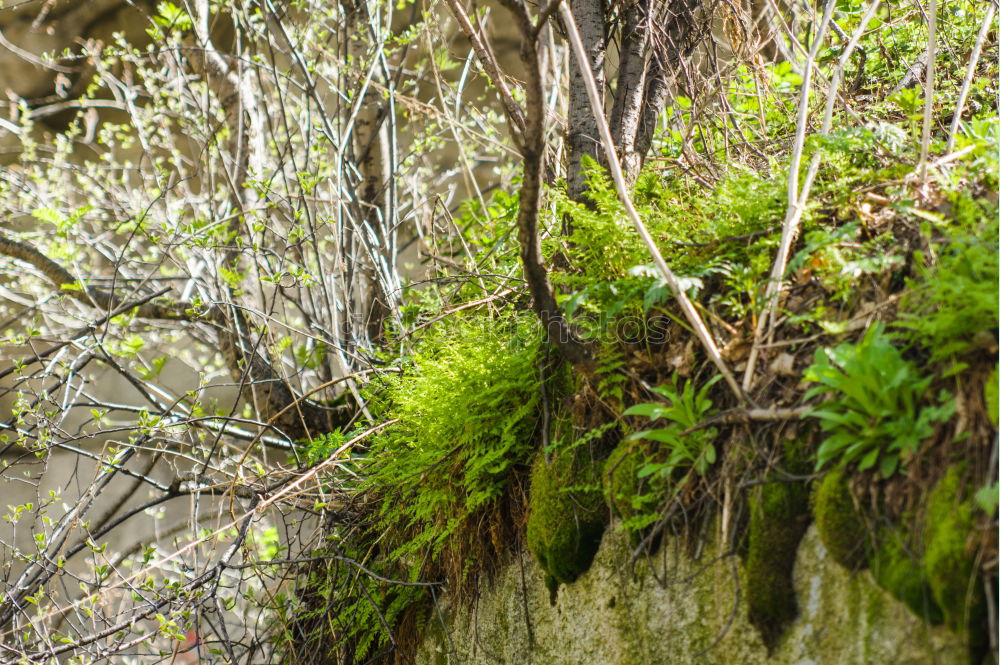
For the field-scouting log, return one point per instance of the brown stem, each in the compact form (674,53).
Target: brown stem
(560,333)
(679,31)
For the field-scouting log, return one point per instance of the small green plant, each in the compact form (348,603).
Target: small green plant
(685,408)
(876,414)
(838,259)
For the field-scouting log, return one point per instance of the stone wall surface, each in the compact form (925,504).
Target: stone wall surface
(613,617)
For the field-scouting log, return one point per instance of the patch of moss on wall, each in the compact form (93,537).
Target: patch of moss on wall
(896,568)
(936,575)
(631,498)
(840,524)
(947,562)
(779,517)
(621,483)
(566,518)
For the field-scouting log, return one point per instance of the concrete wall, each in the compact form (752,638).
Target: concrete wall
(613,617)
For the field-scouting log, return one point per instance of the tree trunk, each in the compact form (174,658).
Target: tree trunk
(680,33)
(374,223)
(629,93)
(582,137)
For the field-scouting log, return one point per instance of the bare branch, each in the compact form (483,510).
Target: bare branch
(514,112)
(925,140)
(258,376)
(65,282)
(571,348)
(681,31)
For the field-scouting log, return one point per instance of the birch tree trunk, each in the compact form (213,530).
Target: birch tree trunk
(631,88)
(582,136)
(375,249)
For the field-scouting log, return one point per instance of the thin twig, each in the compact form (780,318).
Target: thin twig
(513,110)
(796,205)
(734,416)
(925,141)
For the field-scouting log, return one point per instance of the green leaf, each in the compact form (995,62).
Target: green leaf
(987,498)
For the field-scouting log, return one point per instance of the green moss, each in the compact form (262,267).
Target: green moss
(465,412)
(897,570)
(567,517)
(949,567)
(840,525)
(629,496)
(621,482)
(779,518)
(991,397)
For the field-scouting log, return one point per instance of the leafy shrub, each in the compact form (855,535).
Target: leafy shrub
(875,414)
(723,236)
(837,259)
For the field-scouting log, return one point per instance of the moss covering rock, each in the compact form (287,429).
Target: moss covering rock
(607,618)
(897,569)
(840,524)
(566,518)
(949,567)
(937,577)
(630,498)
(779,517)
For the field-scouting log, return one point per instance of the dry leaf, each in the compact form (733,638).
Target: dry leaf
(783,365)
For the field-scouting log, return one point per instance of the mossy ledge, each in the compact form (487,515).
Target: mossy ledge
(475,409)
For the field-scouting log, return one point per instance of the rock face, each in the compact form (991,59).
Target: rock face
(693,614)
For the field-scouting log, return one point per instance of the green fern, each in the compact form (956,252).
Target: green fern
(467,407)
